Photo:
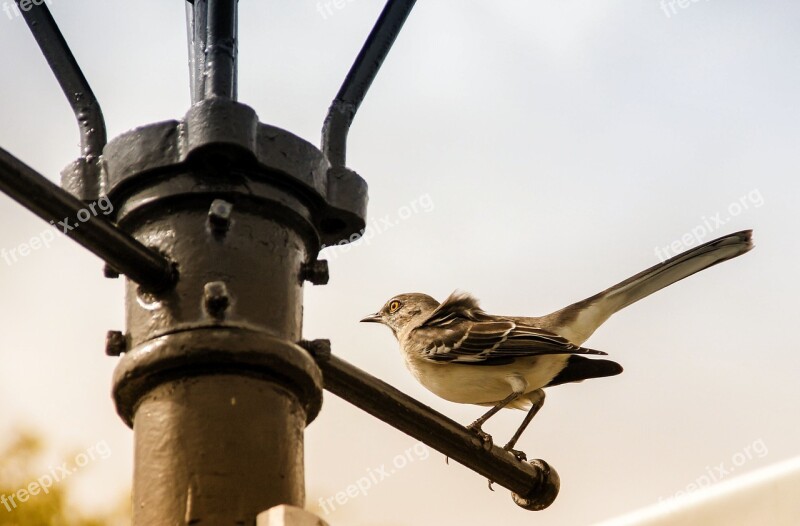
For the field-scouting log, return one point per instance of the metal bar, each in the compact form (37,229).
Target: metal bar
(69,76)
(423,423)
(45,199)
(221,49)
(196,47)
(213,48)
(355,86)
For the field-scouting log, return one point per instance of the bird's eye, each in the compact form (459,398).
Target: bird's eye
(393,306)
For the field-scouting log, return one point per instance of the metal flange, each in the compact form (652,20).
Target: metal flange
(223,136)
(212,352)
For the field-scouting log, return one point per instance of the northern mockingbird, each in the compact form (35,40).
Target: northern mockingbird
(465,355)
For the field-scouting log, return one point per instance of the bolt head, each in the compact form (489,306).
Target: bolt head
(316,272)
(216,298)
(219,215)
(110,272)
(116,343)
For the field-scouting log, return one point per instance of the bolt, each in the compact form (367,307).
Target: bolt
(316,272)
(219,216)
(319,349)
(216,298)
(110,272)
(116,343)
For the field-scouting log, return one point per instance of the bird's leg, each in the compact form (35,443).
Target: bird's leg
(531,413)
(475,427)
(518,387)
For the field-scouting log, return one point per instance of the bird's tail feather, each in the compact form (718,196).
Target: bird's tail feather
(582,318)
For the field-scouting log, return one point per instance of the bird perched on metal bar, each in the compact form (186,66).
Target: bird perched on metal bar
(465,355)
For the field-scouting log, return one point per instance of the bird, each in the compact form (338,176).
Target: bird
(465,355)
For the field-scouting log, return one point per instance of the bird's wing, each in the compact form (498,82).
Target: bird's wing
(457,306)
(456,339)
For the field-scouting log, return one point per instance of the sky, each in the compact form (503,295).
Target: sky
(532,153)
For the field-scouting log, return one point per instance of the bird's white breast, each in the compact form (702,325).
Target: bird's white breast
(484,384)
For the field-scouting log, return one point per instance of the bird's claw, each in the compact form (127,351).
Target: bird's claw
(490,485)
(519,455)
(486,438)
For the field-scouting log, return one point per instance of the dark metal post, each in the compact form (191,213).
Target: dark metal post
(211,379)
(217,392)
(212,28)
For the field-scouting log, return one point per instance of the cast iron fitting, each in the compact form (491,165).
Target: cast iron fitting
(214,351)
(543,492)
(224,142)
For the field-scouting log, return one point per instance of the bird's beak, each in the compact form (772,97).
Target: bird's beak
(373,318)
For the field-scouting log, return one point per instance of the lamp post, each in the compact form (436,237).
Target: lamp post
(218,222)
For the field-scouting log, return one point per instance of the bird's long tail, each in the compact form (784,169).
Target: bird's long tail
(578,321)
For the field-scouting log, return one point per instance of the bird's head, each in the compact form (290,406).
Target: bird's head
(404,311)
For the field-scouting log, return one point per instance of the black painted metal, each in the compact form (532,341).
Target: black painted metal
(535,482)
(124,253)
(69,75)
(82,178)
(213,48)
(196,25)
(359,79)
(220,133)
(211,380)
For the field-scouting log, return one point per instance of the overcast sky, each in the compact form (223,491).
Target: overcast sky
(550,147)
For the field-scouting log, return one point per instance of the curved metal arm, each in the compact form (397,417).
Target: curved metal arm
(354,88)
(69,76)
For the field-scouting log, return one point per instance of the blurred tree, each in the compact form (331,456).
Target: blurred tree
(20,461)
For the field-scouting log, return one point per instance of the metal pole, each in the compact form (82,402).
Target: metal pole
(213,48)
(211,379)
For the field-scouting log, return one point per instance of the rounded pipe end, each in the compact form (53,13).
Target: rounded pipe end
(544,492)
